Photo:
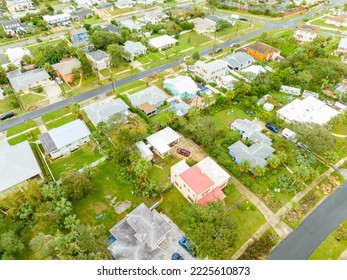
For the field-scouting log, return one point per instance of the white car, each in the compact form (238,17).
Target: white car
(59,81)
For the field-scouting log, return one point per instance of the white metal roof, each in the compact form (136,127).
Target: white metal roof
(180,167)
(161,139)
(143,149)
(162,41)
(17,164)
(308,110)
(183,84)
(213,170)
(101,112)
(69,133)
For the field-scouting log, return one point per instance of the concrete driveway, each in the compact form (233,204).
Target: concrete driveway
(53,92)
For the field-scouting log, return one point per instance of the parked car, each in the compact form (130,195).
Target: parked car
(176,256)
(218,50)
(59,81)
(7,115)
(183,152)
(243,19)
(185,243)
(271,127)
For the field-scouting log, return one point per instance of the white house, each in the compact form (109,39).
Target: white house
(124,4)
(58,19)
(163,141)
(103,111)
(15,55)
(162,42)
(290,90)
(306,33)
(239,60)
(201,183)
(339,21)
(61,141)
(155,16)
(100,60)
(18,164)
(130,24)
(203,25)
(15,6)
(255,70)
(182,86)
(135,49)
(212,71)
(308,110)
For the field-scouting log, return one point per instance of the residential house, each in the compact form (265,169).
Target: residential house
(155,17)
(260,148)
(124,4)
(134,49)
(254,70)
(227,82)
(103,10)
(182,86)
(59,19)
(145,2)
(290,90)
(29,80)
(306,2)
(61,141)
(342,49)
(145,152)
(202,183)
(18,164)
(162,42)
(261,51)
(86,3)
(130,24)
(239,60)
(139,235)
(13,26)
(103,111)
(309,93)
(339,21)
(62,8)
(308,110)
(148,100)
(305,33)
(111,28)
(179,107)
(163,141)
(203,25)
(79,36)
(64,69)
(212,71)
(83,13)
(15,6)
(15,55)
(100,60)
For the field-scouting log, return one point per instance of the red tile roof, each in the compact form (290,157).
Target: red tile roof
(217,193)
(196,180)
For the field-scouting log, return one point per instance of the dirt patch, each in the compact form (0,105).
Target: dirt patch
(122,206)
(329,186)
(99,207)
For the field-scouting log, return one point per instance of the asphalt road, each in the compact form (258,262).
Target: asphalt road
(303,241)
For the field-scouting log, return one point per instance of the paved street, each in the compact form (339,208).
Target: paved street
(302,242)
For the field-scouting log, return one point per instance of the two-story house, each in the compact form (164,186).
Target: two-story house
(212,71)
(100,60)
(202,183)
(262,51)
(305,33)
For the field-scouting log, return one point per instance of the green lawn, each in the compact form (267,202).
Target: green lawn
(340,129)
(32,135)
(96,203)
(143,59)
(130,86)
(331,248)
(5,105)
(31,99)
(191,39)
(77,160)
(154,55)
(19,128)
(91,20)
(36,48)
(223,118)
(59,122)
(55,114)
(321,22)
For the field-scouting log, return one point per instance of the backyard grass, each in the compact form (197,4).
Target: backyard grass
(77,160)
(55,114)
(91,20)
(340,129)
(190,40)
(223,118)
(331,248)
(32,135)
(20,128)
(59,122)
(99,201)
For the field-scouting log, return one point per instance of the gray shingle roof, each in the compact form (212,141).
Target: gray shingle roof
(111,28)
(138,234)
(98,55)
(23,81)
(78,31)
(236,59)
(134,47)
(152,95)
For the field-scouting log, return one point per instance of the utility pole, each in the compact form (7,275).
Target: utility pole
(214,41)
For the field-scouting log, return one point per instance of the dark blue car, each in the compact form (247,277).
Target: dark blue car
(271,127)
